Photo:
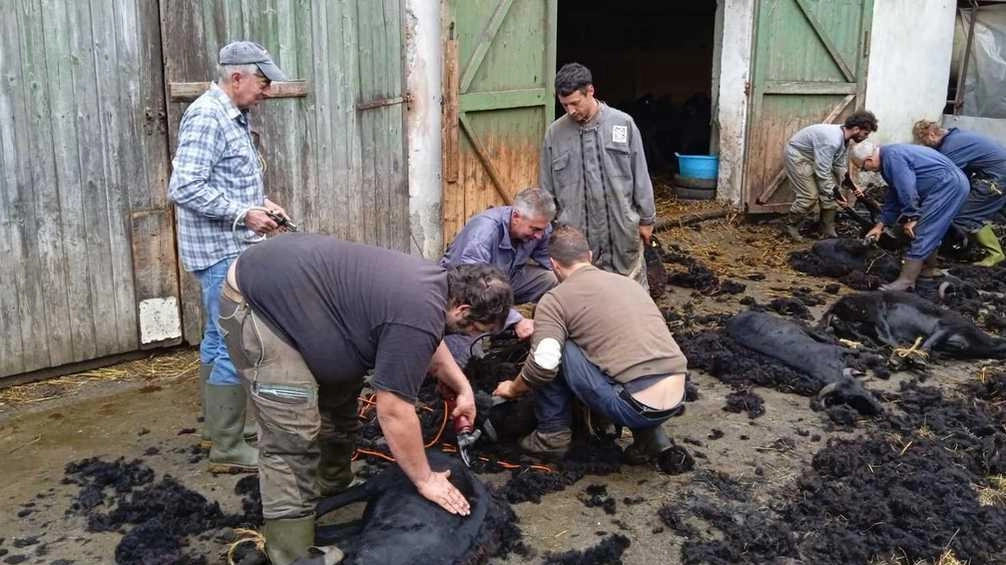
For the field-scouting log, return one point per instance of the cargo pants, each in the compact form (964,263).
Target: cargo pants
(307,433)
(806,193)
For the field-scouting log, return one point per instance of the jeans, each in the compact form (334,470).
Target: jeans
(212,349)
(578,376)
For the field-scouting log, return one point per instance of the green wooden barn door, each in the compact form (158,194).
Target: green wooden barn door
(809,64)
(499,71)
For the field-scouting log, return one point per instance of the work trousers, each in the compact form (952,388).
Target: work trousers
(529,284)
(580,378)
(936,212)
(297,419)
(984,201)
(806,192)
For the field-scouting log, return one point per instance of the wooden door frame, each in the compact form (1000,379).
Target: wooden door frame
(458,101)
(853,92)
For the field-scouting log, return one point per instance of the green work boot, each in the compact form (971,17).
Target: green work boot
(647,445)
(204,377)
(335,471)
(828,224)
(791,228)
(287,540)
(547,445)
(987,239)
(225,417)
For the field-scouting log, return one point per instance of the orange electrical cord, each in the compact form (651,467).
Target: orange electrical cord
(445,447)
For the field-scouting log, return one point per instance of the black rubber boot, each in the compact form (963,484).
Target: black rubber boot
(647,445)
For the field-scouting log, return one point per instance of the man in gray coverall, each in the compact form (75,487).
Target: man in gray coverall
(592,161)
(816,160)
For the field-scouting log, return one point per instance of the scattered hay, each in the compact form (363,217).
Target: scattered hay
(164,365)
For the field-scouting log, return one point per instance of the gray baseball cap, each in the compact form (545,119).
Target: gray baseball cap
(251,53)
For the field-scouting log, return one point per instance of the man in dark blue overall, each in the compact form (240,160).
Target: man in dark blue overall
(926,191)
(984,161)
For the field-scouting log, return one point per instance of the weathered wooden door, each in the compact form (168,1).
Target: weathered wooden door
(85,231)
(499,70)
(809,65)
(336,157)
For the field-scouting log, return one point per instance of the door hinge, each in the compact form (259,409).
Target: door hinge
(381,102)
(747,88)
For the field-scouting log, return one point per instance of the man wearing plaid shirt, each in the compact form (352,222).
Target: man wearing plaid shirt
(216,183)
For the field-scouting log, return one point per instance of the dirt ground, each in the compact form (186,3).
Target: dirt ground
(125,413)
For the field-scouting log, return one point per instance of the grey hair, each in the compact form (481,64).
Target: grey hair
(535,203)
(861,151)
(224,72)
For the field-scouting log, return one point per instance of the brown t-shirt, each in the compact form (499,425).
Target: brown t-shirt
(349,307)
(613,320)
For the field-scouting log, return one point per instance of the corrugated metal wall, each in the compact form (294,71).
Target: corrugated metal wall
(85,232)
(335,168)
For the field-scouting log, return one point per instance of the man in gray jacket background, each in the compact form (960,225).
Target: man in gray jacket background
(592,161)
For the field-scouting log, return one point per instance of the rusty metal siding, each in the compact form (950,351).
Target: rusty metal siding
(336,159)
(810,63)
(81,159)
(504,100)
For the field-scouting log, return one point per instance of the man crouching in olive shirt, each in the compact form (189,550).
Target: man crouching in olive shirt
(305,317)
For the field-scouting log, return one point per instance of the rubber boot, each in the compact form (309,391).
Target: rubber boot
(647,445)
(204,378)
(828,224)
(791,228)
(906,280)
(225,417)
(335,471)
(987,239)
(287,540)
(547,445)
(931,267)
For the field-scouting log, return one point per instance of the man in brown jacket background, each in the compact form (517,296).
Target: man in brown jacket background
(598,336)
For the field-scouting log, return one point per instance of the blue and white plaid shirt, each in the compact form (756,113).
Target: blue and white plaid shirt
(216,177)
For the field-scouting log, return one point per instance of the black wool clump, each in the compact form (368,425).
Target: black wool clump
(162,514)
(607,552)
(745,401)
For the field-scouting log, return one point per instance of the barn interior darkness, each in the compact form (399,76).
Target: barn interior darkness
(652,59)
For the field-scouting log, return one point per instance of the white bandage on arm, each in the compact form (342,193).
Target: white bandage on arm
(548,354)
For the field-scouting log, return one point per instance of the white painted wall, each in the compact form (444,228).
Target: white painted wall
(423,81)
(910,49)
(737,17)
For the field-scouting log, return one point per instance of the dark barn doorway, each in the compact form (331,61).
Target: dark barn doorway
(651,59)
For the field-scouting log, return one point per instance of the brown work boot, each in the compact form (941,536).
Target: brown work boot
(547,445)
(647,445)
(906,280)
(791,228)
(828,224)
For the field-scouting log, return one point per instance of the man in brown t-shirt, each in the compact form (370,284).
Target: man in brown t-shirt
(598,336)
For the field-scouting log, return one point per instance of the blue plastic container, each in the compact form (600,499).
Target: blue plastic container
(698,166)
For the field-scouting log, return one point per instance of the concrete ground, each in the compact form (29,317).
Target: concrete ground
(125,416)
